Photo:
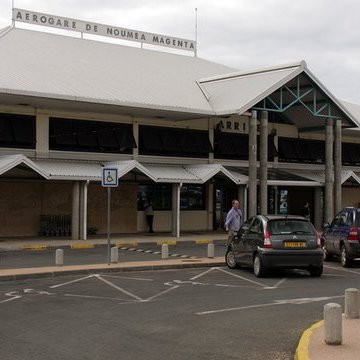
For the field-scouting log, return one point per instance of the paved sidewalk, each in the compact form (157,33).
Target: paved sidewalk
(312,344)
(131,239)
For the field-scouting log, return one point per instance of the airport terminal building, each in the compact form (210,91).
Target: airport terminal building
(187,133)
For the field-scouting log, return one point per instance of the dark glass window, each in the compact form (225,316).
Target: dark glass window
(17,131)
(351,154)
(193,197)
(160,196)
(301,150)
(173,142)
(236,146)
(91,136)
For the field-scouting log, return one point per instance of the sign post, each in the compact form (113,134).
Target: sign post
(109,179)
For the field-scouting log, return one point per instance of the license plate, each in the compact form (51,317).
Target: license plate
(295,244)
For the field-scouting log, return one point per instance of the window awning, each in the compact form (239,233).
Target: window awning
(319,175)
(191,174)
(277,177)
(9,162)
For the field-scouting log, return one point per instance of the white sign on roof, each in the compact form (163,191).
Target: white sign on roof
(36,18)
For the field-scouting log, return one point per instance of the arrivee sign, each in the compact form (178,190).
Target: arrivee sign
(36,18)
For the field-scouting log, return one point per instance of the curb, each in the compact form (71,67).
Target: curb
(79,245)
(302,350)
(90,269)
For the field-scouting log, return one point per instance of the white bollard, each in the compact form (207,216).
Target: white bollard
(114,255)
(211,250)
(352,303)
(333,324)
(59,257)
(164,251)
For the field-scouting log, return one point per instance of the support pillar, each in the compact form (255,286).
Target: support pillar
(210,206)
(263,162)
(241,198)
(317,208)
(176,210)
(329,172)
(337,167)
(75,218)
(252,164)
(83,209)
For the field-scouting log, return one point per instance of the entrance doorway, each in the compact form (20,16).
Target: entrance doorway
(291,200)
(224,194)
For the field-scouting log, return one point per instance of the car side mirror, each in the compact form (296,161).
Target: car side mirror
(326,226)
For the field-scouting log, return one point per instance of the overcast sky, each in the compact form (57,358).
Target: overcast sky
(239,33)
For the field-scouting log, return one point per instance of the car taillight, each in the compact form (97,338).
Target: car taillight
(318,240)
(353,234)
(267,241)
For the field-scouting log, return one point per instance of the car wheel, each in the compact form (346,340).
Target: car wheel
(230,259)
(327,255)
(344,257)
(315,271)
(259,268)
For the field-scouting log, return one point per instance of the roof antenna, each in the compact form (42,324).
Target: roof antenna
(196,32)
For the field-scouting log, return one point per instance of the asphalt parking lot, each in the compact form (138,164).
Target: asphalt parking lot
(198,313)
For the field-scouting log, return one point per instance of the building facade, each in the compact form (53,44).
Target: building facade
(188,134)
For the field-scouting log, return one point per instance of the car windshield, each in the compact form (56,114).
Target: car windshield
(287,226)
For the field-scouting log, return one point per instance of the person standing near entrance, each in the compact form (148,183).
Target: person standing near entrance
(233,220)
(149,213)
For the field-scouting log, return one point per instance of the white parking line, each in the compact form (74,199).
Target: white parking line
(119,288)
(73,281)
(161,293)
(296,301)
(100,297)
(243,278)
(125,277)
(204,273)
(276,285)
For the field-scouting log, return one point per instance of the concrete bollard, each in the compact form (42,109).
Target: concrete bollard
(352,303)
(114,255)
(333,324)
(59,257)
(211,250)
(164,251)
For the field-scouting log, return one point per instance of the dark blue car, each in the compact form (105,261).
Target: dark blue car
(342,237)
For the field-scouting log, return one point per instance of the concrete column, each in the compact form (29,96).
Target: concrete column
(136,137)
(83,209)
(329,172)
(42,135)
(210,205)
(276,144)
(333,324)
(276,202)
(252,164)
(317,208)
(241,198)
(176,210)
(352,303)
(337,166)
(75,218)
(114,257)
(59,257)
(245,205)
(211,138)
(263,162)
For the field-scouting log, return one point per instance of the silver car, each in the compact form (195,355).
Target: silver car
(276,241)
